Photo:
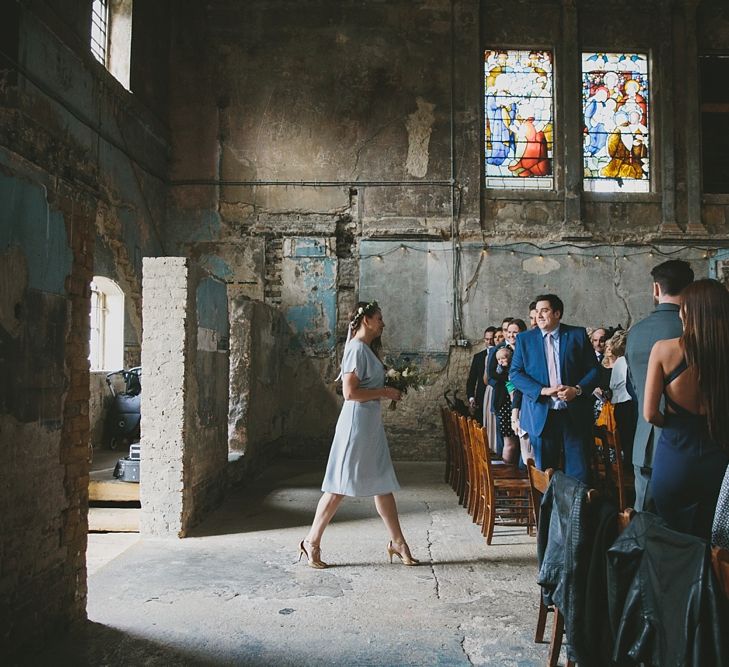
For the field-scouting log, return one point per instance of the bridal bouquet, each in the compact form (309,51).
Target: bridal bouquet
(403,376)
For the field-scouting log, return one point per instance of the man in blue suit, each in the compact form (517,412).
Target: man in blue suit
(556,370)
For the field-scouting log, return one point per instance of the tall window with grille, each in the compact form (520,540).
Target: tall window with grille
(106,340)
(99,30)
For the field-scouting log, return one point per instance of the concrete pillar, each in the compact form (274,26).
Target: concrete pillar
(184,394)
(569,84)
(664,121)
(690,97)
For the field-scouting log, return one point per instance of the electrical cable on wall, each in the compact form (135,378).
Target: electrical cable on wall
(558,250)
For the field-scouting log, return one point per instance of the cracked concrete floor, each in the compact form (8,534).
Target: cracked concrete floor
(232,594)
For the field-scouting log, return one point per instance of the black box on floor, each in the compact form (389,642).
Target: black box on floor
(127,470)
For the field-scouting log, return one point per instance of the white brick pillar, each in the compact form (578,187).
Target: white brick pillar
(184,394)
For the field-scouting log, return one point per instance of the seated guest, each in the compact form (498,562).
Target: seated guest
(488,418)
(626,409)
(503,390)
(598,338)
(475,387)
(691,373)
(501,406)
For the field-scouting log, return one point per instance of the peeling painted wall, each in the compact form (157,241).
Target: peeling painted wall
(82,165)
(333,122)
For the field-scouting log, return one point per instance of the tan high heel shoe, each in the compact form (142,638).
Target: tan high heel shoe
(313,559)
(406,559)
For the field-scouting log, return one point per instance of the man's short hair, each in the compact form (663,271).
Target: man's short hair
(489,330)
(506,320)
(554,301)
(673,276)
(532,306)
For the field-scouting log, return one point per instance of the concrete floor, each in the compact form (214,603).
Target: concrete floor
(233,594)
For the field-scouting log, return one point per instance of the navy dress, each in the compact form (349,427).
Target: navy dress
(688,469)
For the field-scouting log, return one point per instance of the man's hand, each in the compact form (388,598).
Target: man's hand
(515,426)
(566,393)
(550,391)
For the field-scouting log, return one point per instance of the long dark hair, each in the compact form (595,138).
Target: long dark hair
(361,310)
(705,342)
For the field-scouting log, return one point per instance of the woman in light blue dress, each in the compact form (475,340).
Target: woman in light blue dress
(359,460)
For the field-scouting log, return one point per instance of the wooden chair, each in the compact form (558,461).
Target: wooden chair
(608,464)
(505,491)
(470,491)
(458,473)
(449,465)
(538,484)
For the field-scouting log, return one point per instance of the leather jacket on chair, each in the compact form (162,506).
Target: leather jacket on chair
(563,551)
(664,603)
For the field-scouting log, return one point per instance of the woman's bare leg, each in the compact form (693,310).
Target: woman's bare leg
(325,511)
(387,509)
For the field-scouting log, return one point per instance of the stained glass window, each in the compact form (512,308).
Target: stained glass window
(518,119)
(616,137)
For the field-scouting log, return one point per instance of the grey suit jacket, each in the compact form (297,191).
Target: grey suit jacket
(661,324)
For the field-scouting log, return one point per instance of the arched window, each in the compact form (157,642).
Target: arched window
(106,344)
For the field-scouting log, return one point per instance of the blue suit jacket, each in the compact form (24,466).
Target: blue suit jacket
(578,366)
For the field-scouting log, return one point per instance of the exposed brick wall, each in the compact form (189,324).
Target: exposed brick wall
(75,431)
(44,485)
(274,259)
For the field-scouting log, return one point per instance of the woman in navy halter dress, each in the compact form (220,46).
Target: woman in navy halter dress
(691,373)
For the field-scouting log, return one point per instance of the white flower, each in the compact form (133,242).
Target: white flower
(406,372)
(392,373)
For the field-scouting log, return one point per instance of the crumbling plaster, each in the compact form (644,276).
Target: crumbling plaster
(82,167)
(345,123)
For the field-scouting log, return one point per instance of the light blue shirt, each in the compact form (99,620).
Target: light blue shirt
(557,404)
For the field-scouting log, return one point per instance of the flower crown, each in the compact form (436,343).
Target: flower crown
(367,309)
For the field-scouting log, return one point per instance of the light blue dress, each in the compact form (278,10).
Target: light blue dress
(359,460)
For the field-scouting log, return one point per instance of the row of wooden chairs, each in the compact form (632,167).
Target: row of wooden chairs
(486,488)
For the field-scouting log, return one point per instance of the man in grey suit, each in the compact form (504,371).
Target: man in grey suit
(669,280)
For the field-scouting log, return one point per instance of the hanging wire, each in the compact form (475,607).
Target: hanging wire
(528,249)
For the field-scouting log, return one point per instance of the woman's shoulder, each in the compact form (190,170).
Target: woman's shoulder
(667,346)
